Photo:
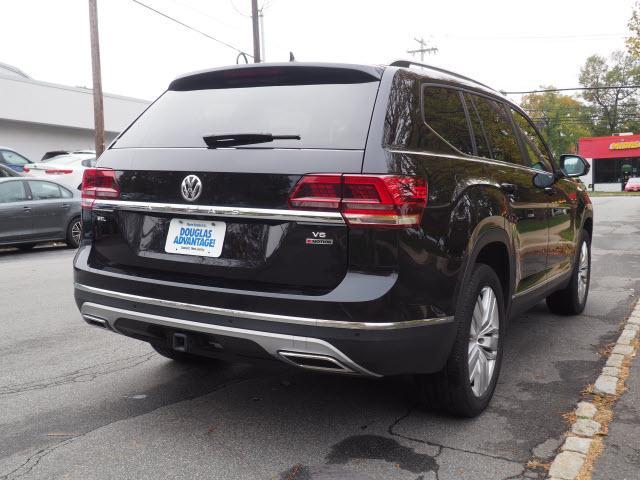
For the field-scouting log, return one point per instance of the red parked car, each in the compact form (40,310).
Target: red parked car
(633,185)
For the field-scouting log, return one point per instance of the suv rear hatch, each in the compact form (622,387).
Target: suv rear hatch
(202,190)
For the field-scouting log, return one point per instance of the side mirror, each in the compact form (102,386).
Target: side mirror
(574,165)
(543,179)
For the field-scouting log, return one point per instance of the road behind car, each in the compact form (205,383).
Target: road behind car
(79,403)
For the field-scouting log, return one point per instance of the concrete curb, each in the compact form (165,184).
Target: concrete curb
(569,462)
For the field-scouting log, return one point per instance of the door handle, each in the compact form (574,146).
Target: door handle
(26,209)
(549,190)
(508,188)
(65,205)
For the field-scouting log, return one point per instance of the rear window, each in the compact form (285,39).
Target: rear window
(44,190)
(335,116)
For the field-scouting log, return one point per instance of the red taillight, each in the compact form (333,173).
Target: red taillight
(317,191)
(395,201)
(99,183)
(57,171)
(26,169)
(384,200)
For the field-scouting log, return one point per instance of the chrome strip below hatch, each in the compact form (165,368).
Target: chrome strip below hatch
(213,211)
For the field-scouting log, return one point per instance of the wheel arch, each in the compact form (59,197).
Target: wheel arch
(72,219)
(587,225)
(492,247)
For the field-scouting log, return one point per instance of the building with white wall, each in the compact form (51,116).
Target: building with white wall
(37,117)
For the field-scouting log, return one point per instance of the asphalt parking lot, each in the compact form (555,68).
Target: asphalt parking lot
(80,403)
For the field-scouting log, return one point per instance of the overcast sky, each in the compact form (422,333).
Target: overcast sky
(508,44)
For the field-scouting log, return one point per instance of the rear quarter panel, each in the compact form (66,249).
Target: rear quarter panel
(462,202)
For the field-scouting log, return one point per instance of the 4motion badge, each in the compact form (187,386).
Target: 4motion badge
(319,238)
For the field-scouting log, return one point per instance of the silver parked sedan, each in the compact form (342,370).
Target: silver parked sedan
(33,211)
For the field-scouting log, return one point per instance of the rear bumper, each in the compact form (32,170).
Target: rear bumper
(364,348)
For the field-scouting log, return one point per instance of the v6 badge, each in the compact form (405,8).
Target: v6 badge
(319,238)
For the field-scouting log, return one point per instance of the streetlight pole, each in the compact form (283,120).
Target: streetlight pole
(98,107)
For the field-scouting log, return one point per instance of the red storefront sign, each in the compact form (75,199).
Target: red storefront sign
(610,147)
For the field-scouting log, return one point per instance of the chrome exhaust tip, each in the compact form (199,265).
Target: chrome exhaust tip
(96,321)
(313,361)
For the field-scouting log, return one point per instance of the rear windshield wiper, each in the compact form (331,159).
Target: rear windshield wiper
(235,139)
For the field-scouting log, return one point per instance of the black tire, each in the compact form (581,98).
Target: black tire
(25,247)
(451,389)
(181,357)
(569,300)
(72,239)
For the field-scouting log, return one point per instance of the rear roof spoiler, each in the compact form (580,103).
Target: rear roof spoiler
(272,74)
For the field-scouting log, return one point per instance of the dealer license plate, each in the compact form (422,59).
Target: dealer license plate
(195,237)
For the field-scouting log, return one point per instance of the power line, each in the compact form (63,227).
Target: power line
(204,14)
(546,90)
(238,10)
(266,4)
(534,37)
(192,28)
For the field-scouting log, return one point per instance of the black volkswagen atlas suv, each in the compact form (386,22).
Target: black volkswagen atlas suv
(361,220)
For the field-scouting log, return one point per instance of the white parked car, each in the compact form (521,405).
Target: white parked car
(65,169)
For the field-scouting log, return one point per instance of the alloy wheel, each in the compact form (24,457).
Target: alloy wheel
(583,272)
(76,231)
(483,341)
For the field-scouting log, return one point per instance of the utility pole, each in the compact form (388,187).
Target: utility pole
(98,107)
(262,49)
(423,49)
(256,31)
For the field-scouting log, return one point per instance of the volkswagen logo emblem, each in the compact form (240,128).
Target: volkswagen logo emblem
(191,188)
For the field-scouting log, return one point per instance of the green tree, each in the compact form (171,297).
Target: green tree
(633,42)
(561,119)
(614,109)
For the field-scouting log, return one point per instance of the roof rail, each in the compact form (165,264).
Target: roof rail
(409,63)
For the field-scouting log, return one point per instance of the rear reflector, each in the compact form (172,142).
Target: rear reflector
(99,183)
(56,171)
(394,201)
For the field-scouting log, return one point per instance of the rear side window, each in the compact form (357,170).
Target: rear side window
(538,156)
(479,132)
(44,190)
(444,113)
(12,158)
(498,127)
(12,192)
(335,116)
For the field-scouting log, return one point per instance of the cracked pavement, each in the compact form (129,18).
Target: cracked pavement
(80,403)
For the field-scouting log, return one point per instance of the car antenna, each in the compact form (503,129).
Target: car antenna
(291,57)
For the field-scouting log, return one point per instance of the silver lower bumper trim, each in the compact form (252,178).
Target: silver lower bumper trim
(269,317)
(274,343)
